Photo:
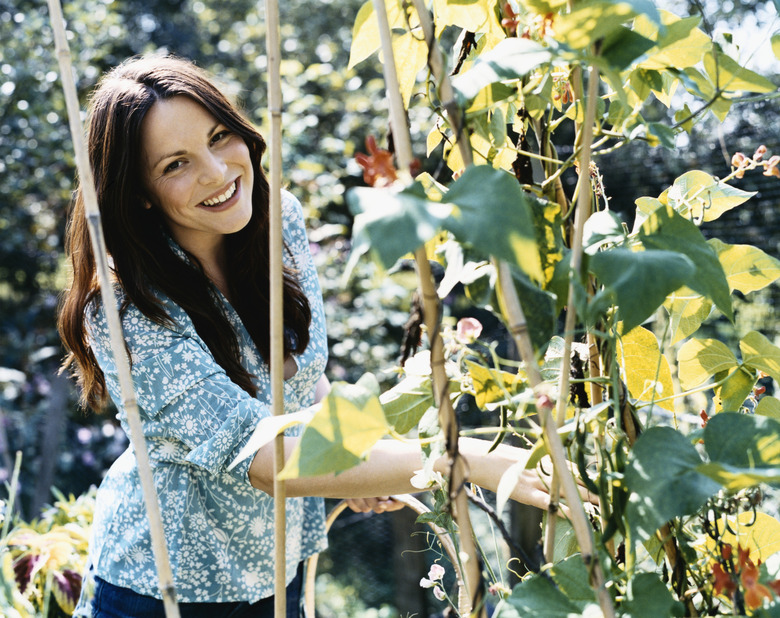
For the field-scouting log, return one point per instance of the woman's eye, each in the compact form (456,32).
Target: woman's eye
(219,136)
(174,165)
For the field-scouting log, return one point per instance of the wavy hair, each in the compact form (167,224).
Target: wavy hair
(137,240)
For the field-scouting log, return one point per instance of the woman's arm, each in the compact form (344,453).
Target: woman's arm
(391,465)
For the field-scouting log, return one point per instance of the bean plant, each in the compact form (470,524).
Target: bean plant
(606,313)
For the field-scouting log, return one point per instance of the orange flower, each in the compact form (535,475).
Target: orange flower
(378,168)
(755,593)
(723,581)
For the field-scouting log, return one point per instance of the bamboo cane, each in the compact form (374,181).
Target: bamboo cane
(273,48)
(121,360)
(470,592)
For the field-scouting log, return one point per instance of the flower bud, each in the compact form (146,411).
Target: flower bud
(738,160)
(759,153)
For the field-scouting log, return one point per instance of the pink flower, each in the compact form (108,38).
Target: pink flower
(436,573)
(439,594)
(468,330)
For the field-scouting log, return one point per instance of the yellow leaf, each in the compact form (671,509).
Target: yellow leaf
(759,353)
(687,310)
(747,268)
(411,54)
(759,533)
(473,15)
(365,31)
(647,371)
(682,46)
(769,406)
(493,387)
(698,359)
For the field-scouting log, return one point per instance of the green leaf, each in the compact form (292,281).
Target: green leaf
(665,229)
(573,580)
(768,406)
(339,436)
(663,482)
(699,196)
(511,59)
(731,77)
(736,386)
(622,46)
(760,354)
(639,281)
(682,44)
(592,20)
(744,450)
(538,307)
(687,311)
(699,359)
(405,403)
(747,267)
(491,213)
(393,223)
(649,597)
(536,596)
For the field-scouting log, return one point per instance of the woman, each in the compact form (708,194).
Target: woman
(184,205)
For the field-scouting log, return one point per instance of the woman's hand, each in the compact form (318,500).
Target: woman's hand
(381,504)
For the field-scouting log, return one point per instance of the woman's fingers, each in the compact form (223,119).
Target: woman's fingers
(380,504)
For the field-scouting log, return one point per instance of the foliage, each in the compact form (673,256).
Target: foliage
(664,487)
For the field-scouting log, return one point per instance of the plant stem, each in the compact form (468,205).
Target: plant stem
(159,548)
(470,593)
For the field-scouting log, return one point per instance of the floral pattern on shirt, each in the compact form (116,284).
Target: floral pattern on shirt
(219,529)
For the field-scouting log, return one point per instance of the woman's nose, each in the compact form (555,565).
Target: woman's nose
(214,169)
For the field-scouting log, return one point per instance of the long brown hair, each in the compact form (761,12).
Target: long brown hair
(136,237)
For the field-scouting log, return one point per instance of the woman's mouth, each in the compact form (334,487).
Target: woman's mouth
(224,197)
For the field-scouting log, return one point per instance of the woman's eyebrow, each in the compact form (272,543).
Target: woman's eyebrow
(179,153)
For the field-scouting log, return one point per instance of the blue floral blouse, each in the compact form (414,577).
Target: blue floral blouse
(219,529)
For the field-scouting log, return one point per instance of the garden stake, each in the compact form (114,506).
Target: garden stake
(469,597)
(581,214)
(87,181)
(276,248)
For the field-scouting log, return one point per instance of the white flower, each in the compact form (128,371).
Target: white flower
(426,583)
(439,594)
(436,573)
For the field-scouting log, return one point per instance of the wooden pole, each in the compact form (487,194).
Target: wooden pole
(121,360)
(273,51)
(469,594)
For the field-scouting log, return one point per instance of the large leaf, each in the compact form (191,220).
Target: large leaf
(538,307)
(744,450)
(405,403)
(747,268)
(365,31)
(687,310)
(731,77)
(663,482)
(639,281)
(647,372)
(700,196)
(648,597)
(769,406)
(339,436)
(491,213)
(700,359)
(666,229)
(573,579)
(511,59)
(411,54)
(393,223)
(493,387)
(754,531)
(592,20)
(759,353)
(536,596)
(682,44)
(736,387)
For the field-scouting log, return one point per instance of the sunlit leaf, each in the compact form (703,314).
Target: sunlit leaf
(769,406)
(761,354)
(667,230)
(703,197)
(700,359)
(406,402)
(682,44)
(589,21)
(757,532)
(411,54)
(747,267)
(622,46)
(639,281)
(731,77)
(340,434)
(776,44)
(493,387)
(511,59)
(663,481)
(736,387)
(687,311)
(647,372)
(365,31)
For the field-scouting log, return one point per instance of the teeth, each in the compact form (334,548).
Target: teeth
(222,198)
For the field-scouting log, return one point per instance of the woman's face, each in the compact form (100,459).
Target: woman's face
(197,172)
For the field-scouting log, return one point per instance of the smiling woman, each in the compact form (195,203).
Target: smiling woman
(184,205)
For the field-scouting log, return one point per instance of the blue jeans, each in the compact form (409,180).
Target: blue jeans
(115,602)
